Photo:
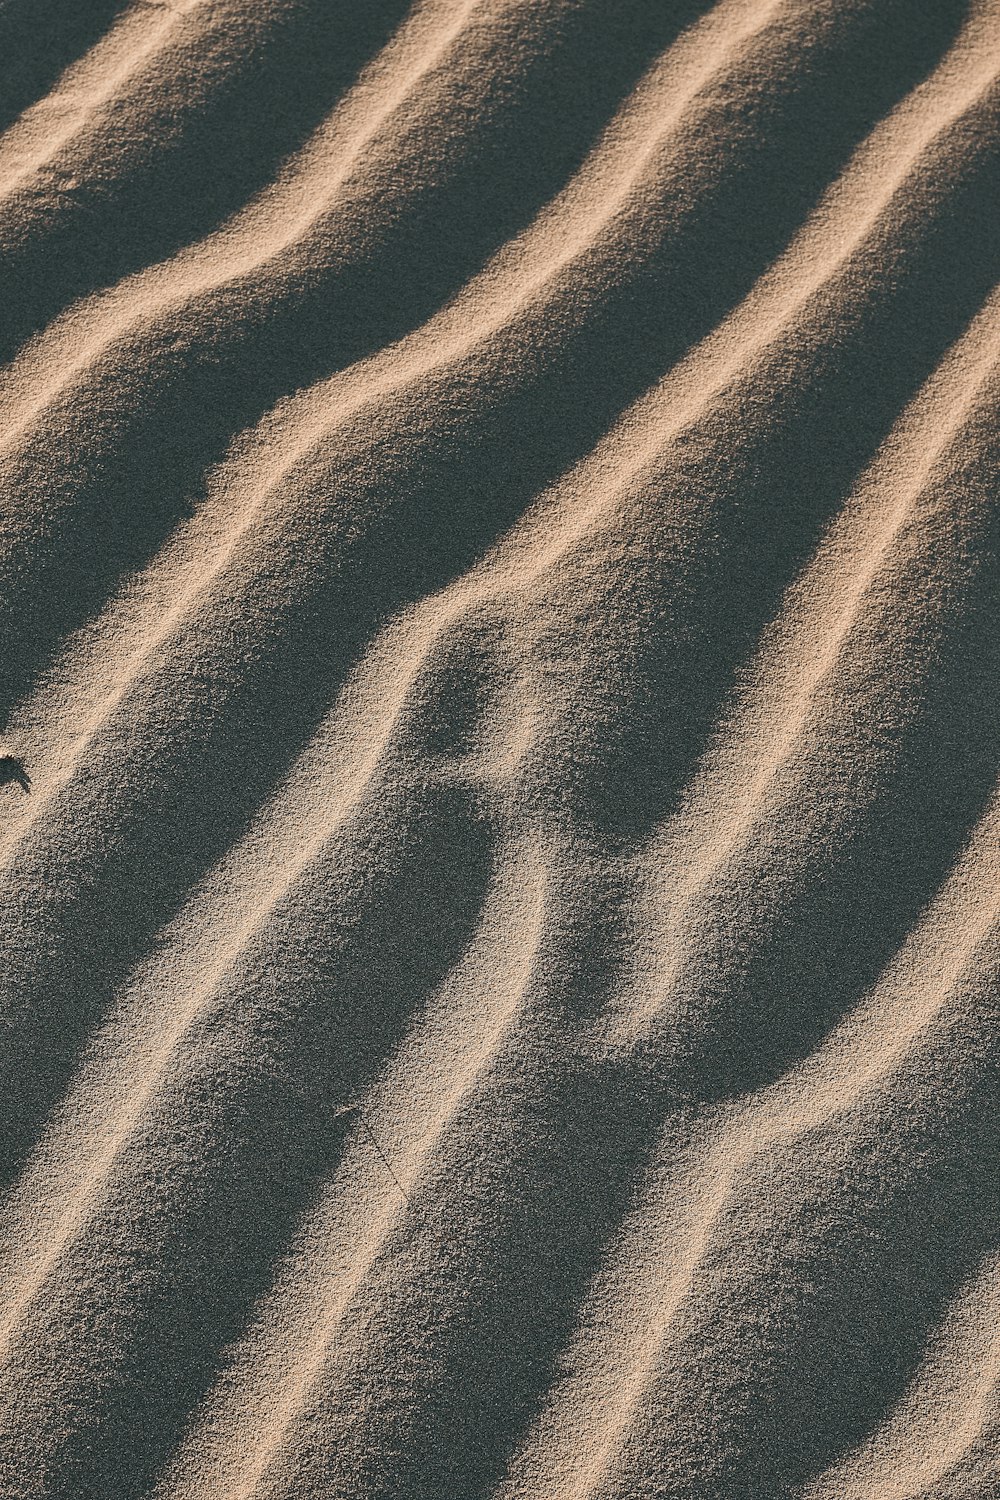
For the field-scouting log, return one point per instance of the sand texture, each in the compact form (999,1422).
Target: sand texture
(499,806)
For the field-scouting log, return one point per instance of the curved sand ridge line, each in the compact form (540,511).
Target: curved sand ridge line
(47,127)
(381,1212)
(558,552)
(317,1297)
(805,1102)
(295,846)
(605,203)
(923,1447)
(86,189)
(920,1002)
(214,1283)
(50,491)
(70,1196)
(798,681)
(338,774)
(266,232)
(608,195)
(720,818)
(428,357)
(967,360)
(285,213)
(684,395)
(933,417)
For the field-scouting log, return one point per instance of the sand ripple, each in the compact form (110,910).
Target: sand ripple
(501,581)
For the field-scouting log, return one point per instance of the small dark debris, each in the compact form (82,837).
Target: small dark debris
(12,769)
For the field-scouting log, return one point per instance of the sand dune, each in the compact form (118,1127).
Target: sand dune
(500,570)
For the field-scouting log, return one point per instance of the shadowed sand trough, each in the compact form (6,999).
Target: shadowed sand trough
(500,819)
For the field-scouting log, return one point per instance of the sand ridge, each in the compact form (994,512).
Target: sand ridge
(500,569)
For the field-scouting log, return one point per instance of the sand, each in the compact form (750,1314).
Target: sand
(499,806)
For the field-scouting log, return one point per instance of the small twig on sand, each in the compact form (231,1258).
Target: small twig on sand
(355,1109)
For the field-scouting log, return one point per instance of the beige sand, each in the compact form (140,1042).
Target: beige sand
(500,575)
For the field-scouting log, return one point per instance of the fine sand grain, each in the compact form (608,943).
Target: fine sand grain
(499,802)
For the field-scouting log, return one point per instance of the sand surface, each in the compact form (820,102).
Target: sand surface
(500,594)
